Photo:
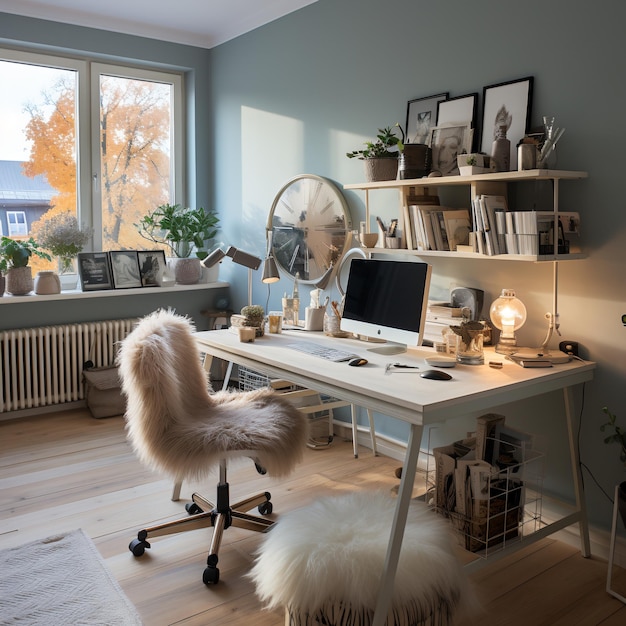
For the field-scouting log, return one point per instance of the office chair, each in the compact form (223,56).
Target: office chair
(176,424)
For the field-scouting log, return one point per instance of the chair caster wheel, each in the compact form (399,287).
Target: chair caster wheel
(193,509)
(138,547)
(266,508)
(211,576)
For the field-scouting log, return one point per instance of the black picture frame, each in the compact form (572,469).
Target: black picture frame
(125,269)
(511,103)
(152,264)
(421,116)
(459,110)
(94,270)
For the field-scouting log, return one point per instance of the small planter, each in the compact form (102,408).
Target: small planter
(380,169)
(19,280)
(186,271)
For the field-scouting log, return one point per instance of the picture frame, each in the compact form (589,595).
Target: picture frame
(421,116)
(447,142)
(457,110)
(152,265)
(94,270)
(507,104)
(125,269)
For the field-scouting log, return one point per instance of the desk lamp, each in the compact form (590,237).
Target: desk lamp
(238,256)
(508,314)
(270,269)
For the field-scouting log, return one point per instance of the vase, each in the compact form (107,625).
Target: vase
(501,151)
(2,284)
(68,274)
(19,281)
(415,161)
(47,283)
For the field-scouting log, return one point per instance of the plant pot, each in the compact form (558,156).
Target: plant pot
(2,283)
(19,280)
(381,169)
(186,271)
(47,283)
(415,161)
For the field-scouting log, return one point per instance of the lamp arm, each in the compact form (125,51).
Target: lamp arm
(553,324)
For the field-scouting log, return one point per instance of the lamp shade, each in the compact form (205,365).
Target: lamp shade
(215,257)
(270,271)
(508,314)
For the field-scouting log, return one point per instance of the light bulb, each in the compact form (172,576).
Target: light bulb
(508,314)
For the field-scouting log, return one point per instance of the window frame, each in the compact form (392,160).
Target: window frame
(24,222)
(87,129)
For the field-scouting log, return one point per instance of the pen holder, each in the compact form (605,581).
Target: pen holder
(291,311)
(314,318)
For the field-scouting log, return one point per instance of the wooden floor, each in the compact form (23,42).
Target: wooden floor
(66,470)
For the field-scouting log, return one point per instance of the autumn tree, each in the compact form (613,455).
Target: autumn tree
(134,148)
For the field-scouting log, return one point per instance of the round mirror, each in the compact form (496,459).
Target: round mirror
(310,227)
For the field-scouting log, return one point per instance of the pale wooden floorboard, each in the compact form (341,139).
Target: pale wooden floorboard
(66,470)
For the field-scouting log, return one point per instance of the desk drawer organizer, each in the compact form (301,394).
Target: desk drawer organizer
(319,408)
(490,487)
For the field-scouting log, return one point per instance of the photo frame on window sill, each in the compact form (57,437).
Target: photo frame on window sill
(94,271)
(447,142)
(421,116)
(506,104)
(152,265)
(125,269)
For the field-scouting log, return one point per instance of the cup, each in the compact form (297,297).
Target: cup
(470,349)
(275,322)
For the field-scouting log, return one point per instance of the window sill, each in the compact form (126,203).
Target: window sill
(76,294)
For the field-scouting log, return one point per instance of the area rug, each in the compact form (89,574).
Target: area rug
(61,580)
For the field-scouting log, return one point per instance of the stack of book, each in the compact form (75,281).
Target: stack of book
(433,227)
(500,231)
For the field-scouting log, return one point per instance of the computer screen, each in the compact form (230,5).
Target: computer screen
(387,300)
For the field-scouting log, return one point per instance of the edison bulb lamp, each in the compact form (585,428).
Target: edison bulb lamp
(508,314)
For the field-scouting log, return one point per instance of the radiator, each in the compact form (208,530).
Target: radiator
(43,366)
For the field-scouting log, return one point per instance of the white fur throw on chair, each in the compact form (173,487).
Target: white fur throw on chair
(178,425)
(324,562)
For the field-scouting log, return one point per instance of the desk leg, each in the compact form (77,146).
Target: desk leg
(581,505)
(399,522)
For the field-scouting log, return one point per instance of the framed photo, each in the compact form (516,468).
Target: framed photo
(125,269)
(506,105)
(447,142)
(151,267)
(94,271)
(421,116)
(458,110)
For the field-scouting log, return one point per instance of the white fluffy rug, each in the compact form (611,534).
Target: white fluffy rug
(61,580)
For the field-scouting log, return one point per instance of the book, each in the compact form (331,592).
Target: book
(458,226)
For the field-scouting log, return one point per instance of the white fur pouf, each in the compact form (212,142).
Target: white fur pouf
(323,563)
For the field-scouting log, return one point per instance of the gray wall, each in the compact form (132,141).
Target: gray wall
(296,95)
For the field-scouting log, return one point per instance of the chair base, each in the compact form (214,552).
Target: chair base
(205,514)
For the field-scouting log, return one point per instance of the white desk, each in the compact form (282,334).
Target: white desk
(408,397)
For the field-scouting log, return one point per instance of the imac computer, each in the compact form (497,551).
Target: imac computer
(387,300)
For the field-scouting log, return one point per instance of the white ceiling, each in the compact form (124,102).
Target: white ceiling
(203,23)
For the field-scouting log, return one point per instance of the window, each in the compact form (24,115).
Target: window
(108,172)
(16,221)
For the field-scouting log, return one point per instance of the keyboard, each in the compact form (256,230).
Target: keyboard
(330,354)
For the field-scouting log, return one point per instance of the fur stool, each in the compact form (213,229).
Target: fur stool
(323,564)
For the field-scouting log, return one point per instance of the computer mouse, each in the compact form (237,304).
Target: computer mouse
(357,362)
(435,375)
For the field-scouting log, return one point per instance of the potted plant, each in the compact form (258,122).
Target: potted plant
(14,257)
(64,238)
(473,163)
(182,230)
(617,435)
(381,156)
